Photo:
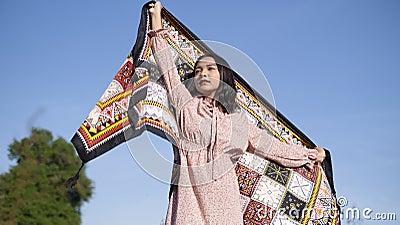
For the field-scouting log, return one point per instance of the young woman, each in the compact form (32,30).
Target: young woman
(213,131)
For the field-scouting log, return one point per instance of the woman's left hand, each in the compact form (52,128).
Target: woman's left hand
(321,154)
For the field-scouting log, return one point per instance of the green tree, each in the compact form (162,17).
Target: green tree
(33,191)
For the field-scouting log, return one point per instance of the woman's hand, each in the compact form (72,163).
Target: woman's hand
(155,8)
(155,13)
(321,154)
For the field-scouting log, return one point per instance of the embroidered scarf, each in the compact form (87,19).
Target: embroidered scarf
(134,102)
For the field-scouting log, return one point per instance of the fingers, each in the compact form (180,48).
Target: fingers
(312,157)
(154,10)
(313,153)
(319,149)
(310,165)
(157,5)
(321,154)
(321,157)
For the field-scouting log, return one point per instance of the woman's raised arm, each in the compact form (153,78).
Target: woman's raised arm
(178,93)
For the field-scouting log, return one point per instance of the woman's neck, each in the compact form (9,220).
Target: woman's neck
(214,103)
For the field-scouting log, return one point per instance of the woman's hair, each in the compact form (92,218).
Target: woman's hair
(226,92)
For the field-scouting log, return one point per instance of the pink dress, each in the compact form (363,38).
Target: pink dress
(210,143)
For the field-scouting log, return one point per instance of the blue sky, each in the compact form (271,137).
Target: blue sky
(333,67)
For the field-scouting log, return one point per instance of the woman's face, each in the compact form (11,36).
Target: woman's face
(206,77)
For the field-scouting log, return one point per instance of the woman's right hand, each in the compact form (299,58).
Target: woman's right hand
(155,13)
(155,8)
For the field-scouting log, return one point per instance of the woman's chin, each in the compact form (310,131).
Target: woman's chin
(206,93)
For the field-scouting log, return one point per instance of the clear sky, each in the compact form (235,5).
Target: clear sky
(333,67)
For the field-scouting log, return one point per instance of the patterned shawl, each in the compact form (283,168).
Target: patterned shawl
(271,194)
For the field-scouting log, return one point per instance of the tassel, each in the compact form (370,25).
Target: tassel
(71,182)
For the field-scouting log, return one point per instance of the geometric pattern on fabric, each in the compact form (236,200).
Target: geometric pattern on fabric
(247,179)
(278,173)
(323,210)
(293,206)
(300,186)
(136,101)
(284,196)
(258,213)
(269,192)
(306,173)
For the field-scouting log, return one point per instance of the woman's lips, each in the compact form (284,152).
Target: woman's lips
(204,81)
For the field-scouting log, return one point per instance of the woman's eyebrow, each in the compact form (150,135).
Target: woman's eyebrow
(210,64)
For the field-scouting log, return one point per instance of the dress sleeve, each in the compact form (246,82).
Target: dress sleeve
(178,93)
(289,155)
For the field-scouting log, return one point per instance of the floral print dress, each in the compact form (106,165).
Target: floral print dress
(211,141)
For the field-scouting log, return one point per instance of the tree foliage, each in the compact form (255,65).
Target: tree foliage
(33,190)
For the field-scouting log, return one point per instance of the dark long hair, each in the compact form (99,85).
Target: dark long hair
(226,92)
